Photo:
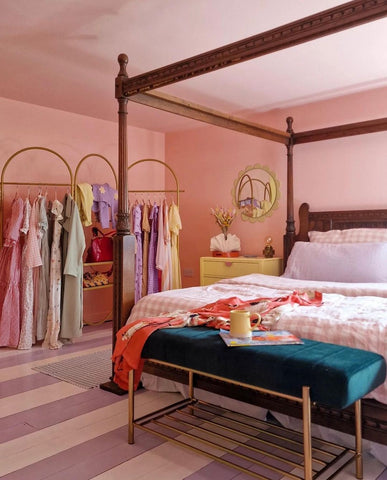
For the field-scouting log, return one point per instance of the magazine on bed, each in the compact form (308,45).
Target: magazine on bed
(261,337)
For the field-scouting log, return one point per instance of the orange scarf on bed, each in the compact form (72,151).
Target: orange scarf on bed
(131,338)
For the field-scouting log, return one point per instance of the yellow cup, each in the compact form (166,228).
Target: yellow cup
(240,326)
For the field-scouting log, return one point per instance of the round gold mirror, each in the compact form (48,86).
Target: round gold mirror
(256,193)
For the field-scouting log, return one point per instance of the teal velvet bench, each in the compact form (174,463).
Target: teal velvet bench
(326,374)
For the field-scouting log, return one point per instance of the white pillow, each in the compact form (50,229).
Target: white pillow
(344,262)
(351,235)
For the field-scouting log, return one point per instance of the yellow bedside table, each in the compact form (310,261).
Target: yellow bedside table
(213,269)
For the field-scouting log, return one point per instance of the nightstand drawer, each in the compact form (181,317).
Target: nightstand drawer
(227,268)
(213,269)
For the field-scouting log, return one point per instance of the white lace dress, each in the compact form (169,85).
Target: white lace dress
(53,318)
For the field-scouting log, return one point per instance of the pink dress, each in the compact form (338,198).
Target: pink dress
(10,278)
(161,254)
(167,272)
(164,259)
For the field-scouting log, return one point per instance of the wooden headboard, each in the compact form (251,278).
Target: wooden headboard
(338,220)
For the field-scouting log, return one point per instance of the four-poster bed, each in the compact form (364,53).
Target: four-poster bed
(138,88)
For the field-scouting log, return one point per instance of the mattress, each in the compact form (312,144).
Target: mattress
(351,314)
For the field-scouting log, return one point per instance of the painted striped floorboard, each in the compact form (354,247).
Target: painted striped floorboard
(52,430)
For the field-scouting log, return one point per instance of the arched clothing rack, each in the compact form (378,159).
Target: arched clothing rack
(42,183)
(98,156)
(124,246)
(81,162)
(71,183)
(176,190)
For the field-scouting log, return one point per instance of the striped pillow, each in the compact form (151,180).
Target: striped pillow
(352,235)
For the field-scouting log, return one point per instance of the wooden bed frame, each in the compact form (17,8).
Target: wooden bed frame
(138,89)
(337,220)
(374,413)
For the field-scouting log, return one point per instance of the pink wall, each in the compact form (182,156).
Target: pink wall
(349,172)
(342,173)
(207,161)
(72,136)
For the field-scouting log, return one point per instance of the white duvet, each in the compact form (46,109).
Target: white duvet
(352,314)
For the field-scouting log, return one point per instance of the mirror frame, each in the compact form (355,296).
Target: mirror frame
(237,188)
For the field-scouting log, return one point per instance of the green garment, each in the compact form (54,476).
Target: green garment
(73,244)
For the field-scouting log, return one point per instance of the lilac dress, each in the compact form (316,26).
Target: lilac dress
(105,204)
(145,225)
(10,258)
(153,284)
(136,214)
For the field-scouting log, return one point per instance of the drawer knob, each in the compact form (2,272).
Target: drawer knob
(228,264)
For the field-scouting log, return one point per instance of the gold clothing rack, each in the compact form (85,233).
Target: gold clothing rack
(100,157)
(41,184)
(176,190)
(31,155)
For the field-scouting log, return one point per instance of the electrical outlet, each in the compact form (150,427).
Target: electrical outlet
(187,272)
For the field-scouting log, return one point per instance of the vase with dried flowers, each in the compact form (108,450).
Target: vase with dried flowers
(224,218)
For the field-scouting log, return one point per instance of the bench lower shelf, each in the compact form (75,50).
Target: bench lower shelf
(252,446)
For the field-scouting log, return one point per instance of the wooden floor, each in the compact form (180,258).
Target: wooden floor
(53,430)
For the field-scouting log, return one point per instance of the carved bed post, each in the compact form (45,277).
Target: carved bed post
(289,237)
(123,241)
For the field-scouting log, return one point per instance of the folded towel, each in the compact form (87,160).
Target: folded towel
(219,243)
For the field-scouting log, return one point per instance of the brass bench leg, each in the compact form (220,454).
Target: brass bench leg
(190,385)
(306,423)
(358,439)
(131,407)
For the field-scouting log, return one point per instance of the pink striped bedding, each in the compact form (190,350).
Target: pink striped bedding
(352,314)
